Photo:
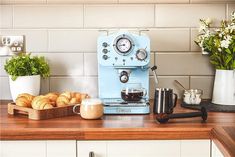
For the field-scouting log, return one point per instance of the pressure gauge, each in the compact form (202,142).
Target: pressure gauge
(123,44)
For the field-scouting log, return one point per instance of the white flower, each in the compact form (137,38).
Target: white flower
(225,43)
(229,38)
(202,27)
(208,21)
(207,34)
(219,49)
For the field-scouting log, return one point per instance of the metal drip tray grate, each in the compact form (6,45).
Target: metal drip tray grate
(118,106)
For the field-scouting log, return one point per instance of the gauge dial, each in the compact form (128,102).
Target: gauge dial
(124,45)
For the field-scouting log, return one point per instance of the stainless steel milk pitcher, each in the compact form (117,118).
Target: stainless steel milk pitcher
(164,101)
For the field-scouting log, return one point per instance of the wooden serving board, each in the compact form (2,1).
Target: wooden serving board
(40,114)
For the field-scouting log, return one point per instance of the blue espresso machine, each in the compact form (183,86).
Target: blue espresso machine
(123,62)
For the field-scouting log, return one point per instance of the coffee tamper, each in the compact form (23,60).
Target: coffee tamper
(164,117)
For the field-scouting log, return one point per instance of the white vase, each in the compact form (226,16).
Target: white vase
(25,84)
(224,87)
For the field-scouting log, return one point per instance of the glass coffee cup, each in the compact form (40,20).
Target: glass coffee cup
(133,92)
(91,108)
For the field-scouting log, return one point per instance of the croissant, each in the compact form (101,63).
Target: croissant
(24,100)
(41,102)
(62,100)
(53,97)
(70,98)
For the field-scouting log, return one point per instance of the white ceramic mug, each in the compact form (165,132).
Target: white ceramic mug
(91,108)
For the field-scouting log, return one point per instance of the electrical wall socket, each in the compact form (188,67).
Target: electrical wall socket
(10,45)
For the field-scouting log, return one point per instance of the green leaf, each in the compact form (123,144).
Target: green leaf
(228,51)
(25,65)
(229,58)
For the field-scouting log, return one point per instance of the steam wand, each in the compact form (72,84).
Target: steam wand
(163,117)
(154,68)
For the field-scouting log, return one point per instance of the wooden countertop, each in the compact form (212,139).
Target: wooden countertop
(220,127)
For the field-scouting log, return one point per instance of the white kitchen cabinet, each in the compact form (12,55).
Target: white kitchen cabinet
(144,148)
(23,149)
(57,148)
(161,148)
(195,148)
(215,151)
(85,148)
(61,148)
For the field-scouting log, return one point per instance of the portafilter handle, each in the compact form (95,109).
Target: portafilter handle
(163,117)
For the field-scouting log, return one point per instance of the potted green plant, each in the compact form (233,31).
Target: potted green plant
(219,44)
(25,72)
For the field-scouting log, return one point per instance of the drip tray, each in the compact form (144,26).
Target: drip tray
(118,106)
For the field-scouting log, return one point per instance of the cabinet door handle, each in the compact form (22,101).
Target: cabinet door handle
(91,154)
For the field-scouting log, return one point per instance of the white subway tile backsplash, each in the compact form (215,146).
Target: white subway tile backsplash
(119,16)
(45,86)
(6,16)
(183,64)
(203,82)
(64,64)
(80,84)
(211,1)
(4,88)
(6,2)
(194,46)
(2,63)
(168,82)
(36,40)
(169,39)
(73,40)
(187,15)
(90,64)
(153,1)
(231,8)
(66,33)
(48,16)
(81,1)
(29,1)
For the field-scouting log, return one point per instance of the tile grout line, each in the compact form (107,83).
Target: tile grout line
(13,17)
(83,20)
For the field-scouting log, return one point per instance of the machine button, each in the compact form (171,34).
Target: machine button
(105,57)
(105,51)
(141,54)
(105,44)
(124,76)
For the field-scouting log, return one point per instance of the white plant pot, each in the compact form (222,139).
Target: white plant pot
(25,84)
(224,87)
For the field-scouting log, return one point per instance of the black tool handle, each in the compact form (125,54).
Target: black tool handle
(202,114)
(185,115)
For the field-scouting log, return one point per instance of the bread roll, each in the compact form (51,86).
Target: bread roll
(53,97)
(24,100)
(41,102)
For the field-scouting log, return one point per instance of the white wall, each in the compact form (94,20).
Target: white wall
(65,31)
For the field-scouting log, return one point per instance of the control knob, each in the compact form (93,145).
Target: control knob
(105,44)
(105,57)
(141,54)
(124,77)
